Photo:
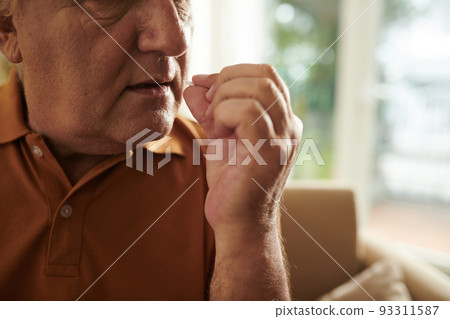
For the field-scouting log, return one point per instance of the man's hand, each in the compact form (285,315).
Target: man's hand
(247,105)
(245,102)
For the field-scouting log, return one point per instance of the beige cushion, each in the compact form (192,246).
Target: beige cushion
(424,282)
(383,281)
(327,214)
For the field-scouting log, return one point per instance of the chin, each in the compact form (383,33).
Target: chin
(162,123)
(118,132)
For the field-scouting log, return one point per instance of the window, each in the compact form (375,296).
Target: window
(301,31)
(413,145)
(411,179)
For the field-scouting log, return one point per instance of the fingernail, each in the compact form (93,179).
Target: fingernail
(189,83)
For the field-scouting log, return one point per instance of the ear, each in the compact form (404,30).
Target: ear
(9,44)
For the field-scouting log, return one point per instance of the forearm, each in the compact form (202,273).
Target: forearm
(250,270)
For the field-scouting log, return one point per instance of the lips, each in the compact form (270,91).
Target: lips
(146,85)
(150,88)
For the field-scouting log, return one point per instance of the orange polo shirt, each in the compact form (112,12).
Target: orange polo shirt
(60,241)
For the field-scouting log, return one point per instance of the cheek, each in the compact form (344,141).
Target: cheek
(70,47)
(73,65)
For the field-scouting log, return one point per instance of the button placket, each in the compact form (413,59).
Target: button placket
(65,240)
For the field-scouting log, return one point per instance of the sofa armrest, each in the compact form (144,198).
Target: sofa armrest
(424,282)
(319,228)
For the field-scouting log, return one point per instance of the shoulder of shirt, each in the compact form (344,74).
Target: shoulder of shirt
(187,130)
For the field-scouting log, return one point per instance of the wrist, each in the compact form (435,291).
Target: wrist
(245,231)
(238,242)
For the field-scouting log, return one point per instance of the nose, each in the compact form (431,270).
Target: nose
(161,28)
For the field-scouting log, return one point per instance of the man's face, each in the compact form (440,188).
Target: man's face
(82,90)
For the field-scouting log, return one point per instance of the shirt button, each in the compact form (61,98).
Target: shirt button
(37,151)
(66,211)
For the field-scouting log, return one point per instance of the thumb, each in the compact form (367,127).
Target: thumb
(197,103)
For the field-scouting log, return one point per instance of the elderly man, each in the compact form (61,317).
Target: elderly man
(76,222)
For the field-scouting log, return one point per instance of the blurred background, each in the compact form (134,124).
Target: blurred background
(376,102)
(371,82)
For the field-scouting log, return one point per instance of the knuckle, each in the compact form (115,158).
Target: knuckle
(298,128)
(269,69)
(226,71)
(287,93)
(266,84)
(298,123)
(252,108)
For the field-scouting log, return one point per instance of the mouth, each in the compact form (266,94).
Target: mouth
(151,88)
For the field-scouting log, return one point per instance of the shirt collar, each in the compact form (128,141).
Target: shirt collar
(12,121)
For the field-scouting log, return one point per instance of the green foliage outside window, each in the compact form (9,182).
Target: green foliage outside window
(301,31)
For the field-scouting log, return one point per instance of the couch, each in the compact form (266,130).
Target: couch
(324,247)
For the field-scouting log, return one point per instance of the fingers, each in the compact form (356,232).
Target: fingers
(205,80)
(263,90)
(257,89)
(249,71)
(197,104)
(231,117)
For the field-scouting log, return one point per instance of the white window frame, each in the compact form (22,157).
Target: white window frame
(355,101)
